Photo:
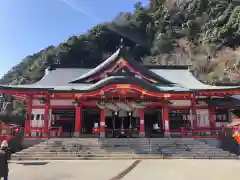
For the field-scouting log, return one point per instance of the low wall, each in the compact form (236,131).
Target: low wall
(14,142)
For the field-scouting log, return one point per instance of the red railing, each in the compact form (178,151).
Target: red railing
(201,132)
(7,131)
(57,130)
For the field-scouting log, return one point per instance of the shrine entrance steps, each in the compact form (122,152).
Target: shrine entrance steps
(127,148)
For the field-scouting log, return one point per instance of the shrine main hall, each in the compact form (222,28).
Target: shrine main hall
(123,98)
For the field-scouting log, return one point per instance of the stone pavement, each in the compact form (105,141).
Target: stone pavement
(146,169)
(69,170)
(186,170)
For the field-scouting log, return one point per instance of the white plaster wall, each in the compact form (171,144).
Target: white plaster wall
(36,102)
(181,103)
(37,122)
(57,102)
(50,118)
(203,118)
(40,122)
(190,118)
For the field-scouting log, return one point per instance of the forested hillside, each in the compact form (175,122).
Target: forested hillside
(204,33)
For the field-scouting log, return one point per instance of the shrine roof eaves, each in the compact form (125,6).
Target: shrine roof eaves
(181,78)
(101,84)
(223,102)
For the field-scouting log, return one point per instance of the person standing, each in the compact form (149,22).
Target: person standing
(4,156)
(236,136)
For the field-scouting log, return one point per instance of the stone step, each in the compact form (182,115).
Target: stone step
(68,148)
(122,154)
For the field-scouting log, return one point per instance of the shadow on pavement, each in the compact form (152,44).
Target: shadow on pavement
(33,163)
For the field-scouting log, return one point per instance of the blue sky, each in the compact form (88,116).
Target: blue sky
(28,26)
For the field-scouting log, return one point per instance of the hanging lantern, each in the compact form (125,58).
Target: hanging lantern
(122,126)
(156,127)
(42,100)
(130,119)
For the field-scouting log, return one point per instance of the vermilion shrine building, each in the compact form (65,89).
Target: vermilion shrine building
(120,98)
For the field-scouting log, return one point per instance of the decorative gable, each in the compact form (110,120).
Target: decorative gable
(120,64)
(121,68)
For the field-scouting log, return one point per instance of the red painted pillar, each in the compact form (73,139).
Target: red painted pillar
(78,117)
(211,118)
(46,116)
(194,113)
(142,124)
(27,128)
(102,123)
(166,121)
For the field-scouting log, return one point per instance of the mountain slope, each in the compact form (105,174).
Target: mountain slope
(204,33)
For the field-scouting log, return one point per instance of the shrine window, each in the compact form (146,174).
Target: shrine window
(221,115)
(38,117)
(32,116)
(178,119)
(178,114)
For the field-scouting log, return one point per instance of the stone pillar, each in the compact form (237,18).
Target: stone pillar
(211,118)
(166,121)
(102,123)
(46,116)
(27,127)
(142,125)
(78,118)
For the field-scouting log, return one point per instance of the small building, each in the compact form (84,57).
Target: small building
(121,97)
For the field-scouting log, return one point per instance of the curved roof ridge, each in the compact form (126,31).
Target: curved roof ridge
(102,65)
(125,80)
(122,52)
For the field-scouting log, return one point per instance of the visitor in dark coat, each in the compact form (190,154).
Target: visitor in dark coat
(4,156)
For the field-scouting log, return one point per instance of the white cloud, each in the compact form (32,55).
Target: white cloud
(72,5)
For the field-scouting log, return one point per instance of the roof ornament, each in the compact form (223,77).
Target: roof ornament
(121,43)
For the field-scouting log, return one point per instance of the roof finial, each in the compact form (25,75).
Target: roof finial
(121,43)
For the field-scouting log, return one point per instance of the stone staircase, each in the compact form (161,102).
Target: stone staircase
(127,148)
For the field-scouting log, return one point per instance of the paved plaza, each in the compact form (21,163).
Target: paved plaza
(108,169)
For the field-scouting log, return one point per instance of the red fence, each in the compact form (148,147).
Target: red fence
(7,131)
(201,132)
(56,131)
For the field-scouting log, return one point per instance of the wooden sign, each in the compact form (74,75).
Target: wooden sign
(123,86)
